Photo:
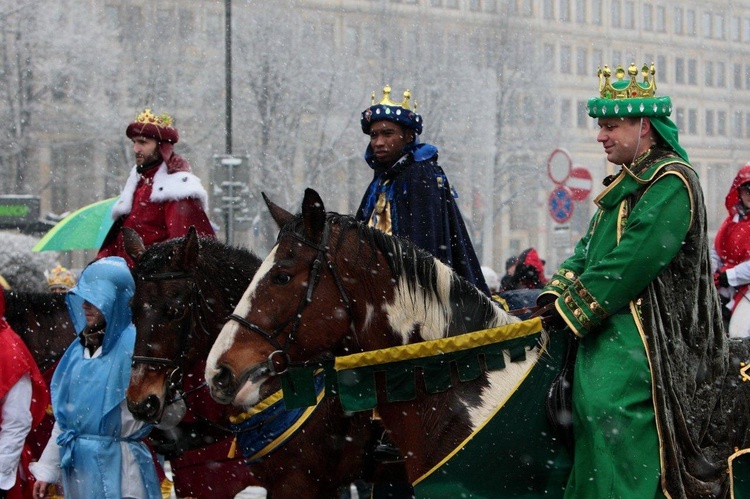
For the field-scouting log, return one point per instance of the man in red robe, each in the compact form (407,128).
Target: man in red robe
(161,198)
(23,400)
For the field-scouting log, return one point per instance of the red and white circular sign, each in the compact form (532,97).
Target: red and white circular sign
(580,183)
(559,165)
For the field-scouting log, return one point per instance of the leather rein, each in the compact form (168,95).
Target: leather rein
(278,361)
(175,377)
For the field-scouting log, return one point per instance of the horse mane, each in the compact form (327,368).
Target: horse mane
(420,270)
(224,267)
(19,303)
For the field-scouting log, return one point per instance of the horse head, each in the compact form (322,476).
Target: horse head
(332,286)
(295,307)
(164,314)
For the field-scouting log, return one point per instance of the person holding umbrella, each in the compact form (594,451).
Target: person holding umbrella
(161,198)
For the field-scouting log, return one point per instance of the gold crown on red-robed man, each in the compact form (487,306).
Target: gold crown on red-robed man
(159,127)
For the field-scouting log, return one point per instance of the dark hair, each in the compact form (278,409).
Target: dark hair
(510,262)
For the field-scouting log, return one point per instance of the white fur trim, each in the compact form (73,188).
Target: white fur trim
(166,187)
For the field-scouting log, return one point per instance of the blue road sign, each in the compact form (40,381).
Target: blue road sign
(560,204)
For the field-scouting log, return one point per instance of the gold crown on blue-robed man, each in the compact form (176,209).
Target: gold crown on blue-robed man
(387,109)
(627,97)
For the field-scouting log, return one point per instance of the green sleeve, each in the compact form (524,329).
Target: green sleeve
(653,235)
(572,267)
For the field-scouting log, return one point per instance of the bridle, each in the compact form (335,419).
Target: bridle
(174,389)
(278,361)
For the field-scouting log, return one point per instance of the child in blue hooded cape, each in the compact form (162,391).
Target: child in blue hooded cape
(96,445)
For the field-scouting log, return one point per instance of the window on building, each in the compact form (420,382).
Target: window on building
(738,76)
(661,19)
(616,59)
(629,14)
(737,124)
(112,14)
(451,4)
(565,111)
(549,56)
(720,69)
(582,117)
(747,76)
(679,70)
(661,68)
(747,125)
(692,72)
(746,31)
(475,6)
(596,12)
(565,10)
(707,24)
(548,10)
(690,26)
(678,20)
(648,17)
(709,80)
(581,61)
(352,39)
(679,119)
(597,56)
(718,29)
(565,59)
(709,122)
(734,28)
(527,8)
(436,3)
(581,11)
(616,14)
(692,125)
(721,123)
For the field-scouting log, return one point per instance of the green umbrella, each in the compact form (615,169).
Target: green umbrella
(83,229)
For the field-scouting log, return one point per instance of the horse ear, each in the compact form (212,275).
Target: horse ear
(133,243)
(190,248)
(279,215)
(313,215)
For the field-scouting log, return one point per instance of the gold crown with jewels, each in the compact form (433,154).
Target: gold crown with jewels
(627,89)
(627,97)
(147,117)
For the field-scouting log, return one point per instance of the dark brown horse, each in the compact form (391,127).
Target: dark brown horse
(331,287)
(185,288)
(43,323)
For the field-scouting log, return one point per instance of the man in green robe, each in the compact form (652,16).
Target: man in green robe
(649,392)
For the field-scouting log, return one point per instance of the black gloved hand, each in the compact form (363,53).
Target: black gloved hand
(721,279)
(552,321)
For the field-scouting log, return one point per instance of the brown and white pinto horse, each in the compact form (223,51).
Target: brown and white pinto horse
(185,288)
(331,287)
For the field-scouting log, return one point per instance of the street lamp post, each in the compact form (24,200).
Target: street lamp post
(231,196)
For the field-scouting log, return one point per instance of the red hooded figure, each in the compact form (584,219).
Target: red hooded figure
(731,256)
(529,273)
(24,399)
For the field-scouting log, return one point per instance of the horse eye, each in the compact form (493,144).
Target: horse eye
(281,279)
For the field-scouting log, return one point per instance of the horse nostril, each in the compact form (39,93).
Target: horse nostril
(223,378)
(147,410)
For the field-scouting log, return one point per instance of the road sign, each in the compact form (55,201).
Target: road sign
(560,204)
(559,165)
(18,211)
(580,183)
(561,236)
